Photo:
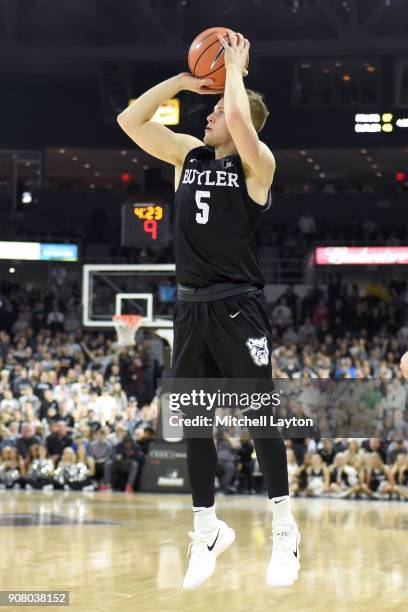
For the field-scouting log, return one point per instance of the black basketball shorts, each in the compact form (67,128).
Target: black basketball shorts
(225,338)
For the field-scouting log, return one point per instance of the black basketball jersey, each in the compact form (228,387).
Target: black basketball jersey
(215,221)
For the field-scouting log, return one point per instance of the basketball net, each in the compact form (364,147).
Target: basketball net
(126,327)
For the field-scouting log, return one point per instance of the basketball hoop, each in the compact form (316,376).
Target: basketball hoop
(126,327)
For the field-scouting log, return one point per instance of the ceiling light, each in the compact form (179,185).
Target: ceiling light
(310,160)
(135,160)
(75,159)
(123,152)
(317,167)
(322,175)
(62,150)
(87,165)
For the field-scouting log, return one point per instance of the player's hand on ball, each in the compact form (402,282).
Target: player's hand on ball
(200,86)
(404,365)
(236,50)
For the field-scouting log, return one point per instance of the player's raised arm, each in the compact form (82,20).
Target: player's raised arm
(255,155)
(152,137)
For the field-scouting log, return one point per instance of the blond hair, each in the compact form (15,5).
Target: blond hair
(259,110)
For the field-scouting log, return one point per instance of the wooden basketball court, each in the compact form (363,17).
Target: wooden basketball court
(116,552)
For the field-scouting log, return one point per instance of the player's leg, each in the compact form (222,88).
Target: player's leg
(211,536)
(239,339)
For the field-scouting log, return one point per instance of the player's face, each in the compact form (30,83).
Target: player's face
(216,131)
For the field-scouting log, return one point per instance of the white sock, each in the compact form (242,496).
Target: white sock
(282,511)
(205,520)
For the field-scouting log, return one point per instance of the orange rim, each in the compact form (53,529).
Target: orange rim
(129,320)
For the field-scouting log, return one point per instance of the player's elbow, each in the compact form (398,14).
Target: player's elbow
(122,120)
(130,122)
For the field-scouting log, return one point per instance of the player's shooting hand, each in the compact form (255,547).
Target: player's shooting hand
(192,83)
(236,50)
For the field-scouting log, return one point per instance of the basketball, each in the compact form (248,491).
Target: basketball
(206,57)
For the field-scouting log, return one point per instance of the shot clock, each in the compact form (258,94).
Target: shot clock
(145,225)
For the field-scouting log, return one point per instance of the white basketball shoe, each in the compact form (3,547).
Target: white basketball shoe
(203,551)
(284,565)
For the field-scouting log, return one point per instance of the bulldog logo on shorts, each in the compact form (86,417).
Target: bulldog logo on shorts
(258,348)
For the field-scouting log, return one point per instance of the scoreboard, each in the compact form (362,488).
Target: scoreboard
(145,225)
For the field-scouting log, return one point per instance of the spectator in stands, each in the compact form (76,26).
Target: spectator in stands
(117,436)
(398,476)
(65,415)
(144,437)
(375,445)
(397,446)
(127,461)
(40,469)
(12,468)
(342,478)
(8,401)
(58,441)
(326,451)
(131,420)
(281,314)
(55,319)
(88,460)
(12,434)
(101,451)
(377,482)
(72,473)
(28,396)
(120,397)
(316,477)
(49,406)
(26,440)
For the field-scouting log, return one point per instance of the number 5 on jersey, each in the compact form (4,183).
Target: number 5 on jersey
(202,216)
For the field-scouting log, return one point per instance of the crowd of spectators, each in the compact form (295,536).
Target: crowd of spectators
(345,468)
(78,413)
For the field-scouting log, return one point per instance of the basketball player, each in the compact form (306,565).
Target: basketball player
(223,186)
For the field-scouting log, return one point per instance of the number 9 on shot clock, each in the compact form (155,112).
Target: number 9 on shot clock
(145,225)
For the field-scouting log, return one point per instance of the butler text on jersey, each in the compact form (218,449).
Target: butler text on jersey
(217,178)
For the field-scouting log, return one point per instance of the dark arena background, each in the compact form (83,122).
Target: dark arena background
(86,235)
